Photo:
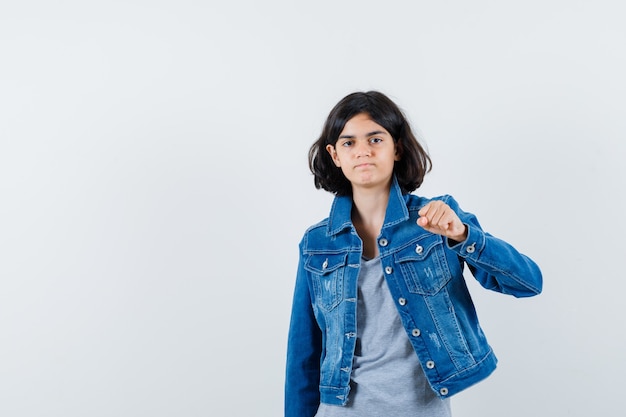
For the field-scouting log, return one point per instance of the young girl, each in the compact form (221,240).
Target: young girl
(382,322)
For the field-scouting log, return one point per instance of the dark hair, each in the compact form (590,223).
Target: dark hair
(414,161)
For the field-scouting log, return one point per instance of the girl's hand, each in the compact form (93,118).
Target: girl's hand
(437,217)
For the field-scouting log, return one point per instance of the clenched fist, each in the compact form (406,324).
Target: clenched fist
(437,217)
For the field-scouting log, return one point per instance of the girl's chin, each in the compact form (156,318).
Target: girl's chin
(369,182)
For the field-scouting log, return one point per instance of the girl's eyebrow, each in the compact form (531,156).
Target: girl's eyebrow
(374,133)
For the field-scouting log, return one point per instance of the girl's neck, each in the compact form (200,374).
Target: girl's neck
(370,207)
(368,215)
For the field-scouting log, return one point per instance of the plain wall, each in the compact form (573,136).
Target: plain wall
(154,186)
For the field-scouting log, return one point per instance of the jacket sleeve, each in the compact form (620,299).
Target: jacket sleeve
(495,264)
(304,346)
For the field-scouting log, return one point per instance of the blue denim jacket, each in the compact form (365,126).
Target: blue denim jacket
(424,273)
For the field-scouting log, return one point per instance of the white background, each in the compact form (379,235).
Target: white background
(154,187)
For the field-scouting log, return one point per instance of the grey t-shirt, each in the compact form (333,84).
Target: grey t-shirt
(387,378)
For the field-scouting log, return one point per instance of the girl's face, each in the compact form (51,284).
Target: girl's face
(365,152)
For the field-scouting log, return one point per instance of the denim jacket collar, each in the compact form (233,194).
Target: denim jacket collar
(341,210)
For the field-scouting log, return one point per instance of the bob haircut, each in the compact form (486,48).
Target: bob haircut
(414,161)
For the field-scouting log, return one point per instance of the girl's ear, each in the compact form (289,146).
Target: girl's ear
(333,154)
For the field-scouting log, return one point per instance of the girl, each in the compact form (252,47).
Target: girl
(382,322)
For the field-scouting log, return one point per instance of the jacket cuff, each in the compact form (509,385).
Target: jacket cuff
(472,246)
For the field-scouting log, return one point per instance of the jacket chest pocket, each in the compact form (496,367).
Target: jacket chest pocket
(424,266)
(327,273)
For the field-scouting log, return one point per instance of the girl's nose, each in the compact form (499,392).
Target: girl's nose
(363,149)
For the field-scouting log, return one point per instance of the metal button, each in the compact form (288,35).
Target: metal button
(383,242)
(419,249)
(388,270)
(402,301)
(416,332)
(325,264)
(430,364)
(443,391)
(471,248)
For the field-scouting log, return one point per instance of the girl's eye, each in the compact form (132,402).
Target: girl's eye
(376,140)
(346,143)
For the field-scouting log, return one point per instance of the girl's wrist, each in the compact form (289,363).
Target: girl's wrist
(459,238)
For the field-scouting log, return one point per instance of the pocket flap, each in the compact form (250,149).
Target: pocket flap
(419,249)
(324,263)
